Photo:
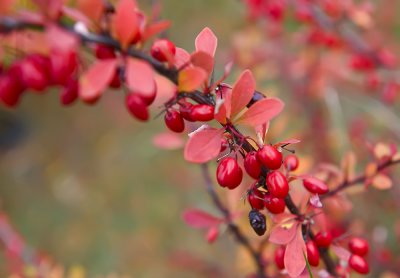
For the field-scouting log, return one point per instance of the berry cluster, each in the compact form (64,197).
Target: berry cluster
(359,248)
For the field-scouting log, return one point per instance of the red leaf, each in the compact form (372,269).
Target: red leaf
(224,109)
(125,23)
(140,77)
(203,60)
(283,233)
(261,112)
(96,79)
(294,255)
(242,92)
(212,234)
(287,142)
(182,57)
(190,79)
(5,6)
(61,40)
(199,219)
(76,15)
(206,41)
(204,145)
(93,9)
(155,28)
(168,141)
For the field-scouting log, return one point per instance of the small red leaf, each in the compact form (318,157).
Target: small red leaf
(343,254)
(283,233)
(155,28)
(96,79)
(199,219)
(203,60)
(125,22)
(168,141)
(190,79)
(93,9)
(212,234)
(294,255)
(287,142)
(140,77)
(206,41)
(261,112)
(182,57)
(204,145)
(242,92)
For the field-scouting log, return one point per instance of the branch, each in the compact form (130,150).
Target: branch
(358,180)
(234,229)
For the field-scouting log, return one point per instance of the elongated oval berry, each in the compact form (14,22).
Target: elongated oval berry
(104,52)
(62,66)
(202,112)
(185,109)
(256,199)
(224,144)
(270,157)
(257,222)
(229,173)
(312,253)
(274,205)
(279,257)
(277,184)
(358,264)
(10,90)
(149,99)
(70,92)
(315,186)
(137,107)
(174,121)
(291,162)
(252,165)
(359,246)
(323,239)
(162,49)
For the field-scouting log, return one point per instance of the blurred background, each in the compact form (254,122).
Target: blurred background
(86,187)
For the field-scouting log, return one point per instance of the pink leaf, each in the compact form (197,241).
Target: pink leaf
(190,79)
(283,233)
(242,92)
(223,109)
(168,141)
(287,142)
(93,9)
(212,234)
(140,77)
(343,254)
(155,28)
(261,131)
(204,145)
(125,22)
(294,255)
(60,39)
(203,60)
(261,112)
(76,15)
(6,6)
(206,41)
(96,79)
(315,201)
(199,219)
(182,57)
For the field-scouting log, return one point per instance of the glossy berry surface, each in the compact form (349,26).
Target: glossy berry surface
(323,239)
(162,49)
(274,205)
(104,52)
(358,264)
(174,121)
(202,112)
(256,199)
(137,107)
(291,162)
(359,246)
(279,256)
(270,157)
(312,253)
(315,186)
(70,92)
(10,90)
(252,165)
(277,184)
(185,109)
(229,173)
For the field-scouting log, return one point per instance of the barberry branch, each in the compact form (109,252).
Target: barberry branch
(233,229)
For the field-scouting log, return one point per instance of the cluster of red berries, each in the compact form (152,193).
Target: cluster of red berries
(359,248)
(37,72)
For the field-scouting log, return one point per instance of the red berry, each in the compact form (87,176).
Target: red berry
(312,253)
(63,65)
(359,246)
(229,173)
(70,92)
(202,112)
(115,81)
(323,239)
(162,50)
(252,165)
(137,107)
(185,110)
(149,99)
(104,52)
(358,264)
(256,199)
(291,162)
(277,184)
(174,121)
(270,157)
(10,90)
(224,144)
(274,205)
(33,76)
(279,257)
(315,186)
